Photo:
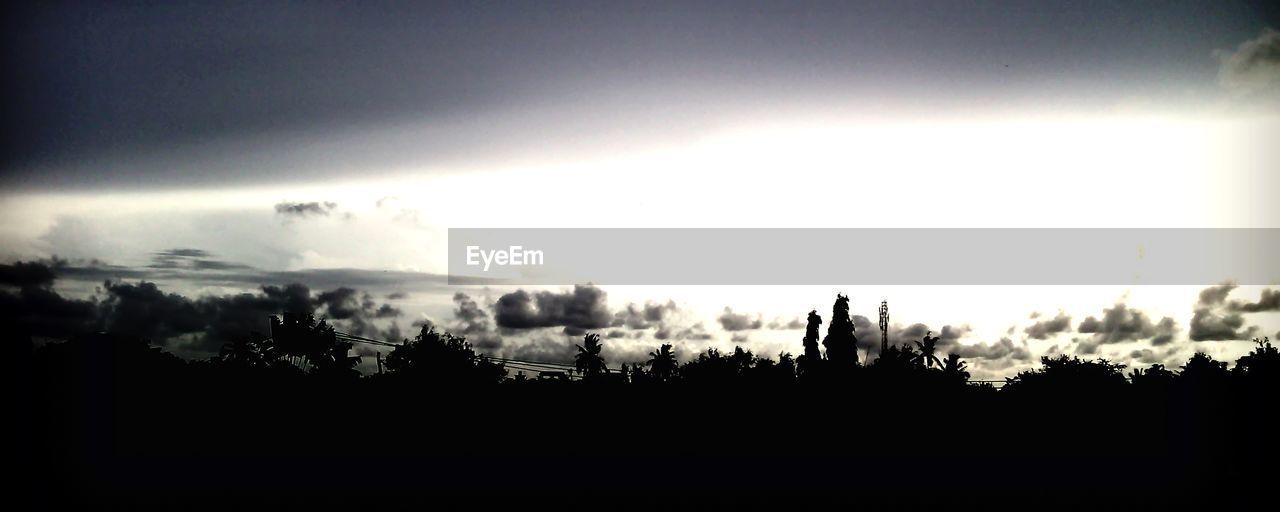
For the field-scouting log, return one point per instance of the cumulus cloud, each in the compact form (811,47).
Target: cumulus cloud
(292,209)
(779,324)
(1149,356)
(1269,301)
(1253,67)
(29,306)
(195,327)
(1213,318)
(731,321)
(474,323)
(1121,323)
(1042,330)
(650,315)
(577,310)
(356,312)
(1003,349)
(696,332)
(868,334)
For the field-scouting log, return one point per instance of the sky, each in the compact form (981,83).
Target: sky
(216,148)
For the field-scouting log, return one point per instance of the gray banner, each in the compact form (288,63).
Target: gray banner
(556,256)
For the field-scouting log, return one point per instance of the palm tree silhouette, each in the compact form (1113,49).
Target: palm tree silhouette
(954,367)
(927,349)
(662,363)
(588,362)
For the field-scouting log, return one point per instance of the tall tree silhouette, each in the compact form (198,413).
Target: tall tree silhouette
(588,361)
(812,357)
(842,345)
(662,363)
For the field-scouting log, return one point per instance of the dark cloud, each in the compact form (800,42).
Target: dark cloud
(1086,346)
(1254,66)
(1213,318)
(234,316)
(95,271)
(190,259)
(191,327)
(1269,301)
(731,321)
(305,209)
(868,334)
(1121,323)
(24,274)
(355,312)
(779,324)
(739,338)
(1044,329)
(28,304)
(144,311)
(147,80)
(474,323)
(342,303)
(652,314)
(1215,295)
(695,332)
(1208,325)
(397,296)
(577,310)
(1001,350)
(543,349)
(1149,357)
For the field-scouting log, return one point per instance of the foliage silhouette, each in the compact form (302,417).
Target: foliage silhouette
(811,360)
(841,344)
(662,363)
(433,356)
(588,361)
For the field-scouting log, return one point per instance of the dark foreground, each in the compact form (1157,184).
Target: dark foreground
(125,426)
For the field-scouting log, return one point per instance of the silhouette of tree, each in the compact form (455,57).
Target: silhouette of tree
(1263,361)
(786,367)
(1063,375)
(662,364)
(335,360)
(309,343)
(928,346)
(841,344)
(245,352)
(812,357)
(638,374)
(588,362)
(442,357)
(1203,369)
(1155,377)
(955,368)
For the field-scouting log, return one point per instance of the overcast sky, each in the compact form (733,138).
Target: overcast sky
(332,142)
